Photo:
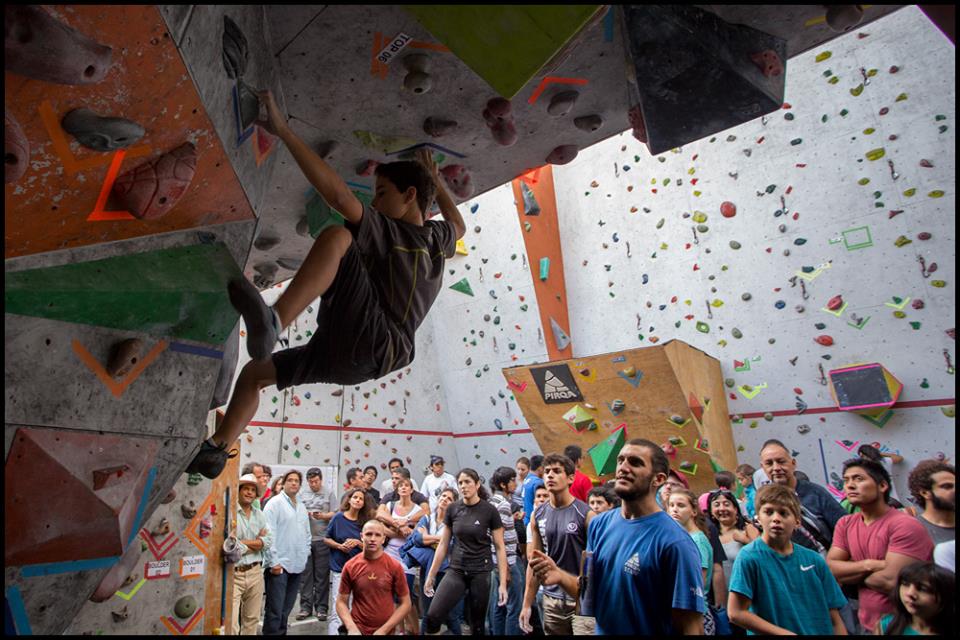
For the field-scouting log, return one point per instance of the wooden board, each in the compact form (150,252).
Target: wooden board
(213,579)
(670,374)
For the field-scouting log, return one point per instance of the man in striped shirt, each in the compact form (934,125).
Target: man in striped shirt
(254,538)
(505,620)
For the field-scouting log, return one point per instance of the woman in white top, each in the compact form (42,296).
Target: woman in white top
(405,515)
(735,531)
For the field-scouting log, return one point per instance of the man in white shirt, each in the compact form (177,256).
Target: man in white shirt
(434,484)
(287,558)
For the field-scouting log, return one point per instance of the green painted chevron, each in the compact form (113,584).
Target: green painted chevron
(180,292)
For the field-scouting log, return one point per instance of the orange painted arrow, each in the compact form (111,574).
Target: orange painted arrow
(117,388)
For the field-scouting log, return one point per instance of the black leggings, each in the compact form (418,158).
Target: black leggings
(449,592)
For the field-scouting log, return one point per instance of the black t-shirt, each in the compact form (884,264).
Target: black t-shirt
(405,262)
(471,526)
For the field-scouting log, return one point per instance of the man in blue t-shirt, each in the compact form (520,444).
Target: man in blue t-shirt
(646,570)
(779,586)
(530,484)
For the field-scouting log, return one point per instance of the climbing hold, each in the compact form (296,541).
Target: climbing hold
(234,48)
(782,228)
(779,304)
(950,410)
(366,168)
(736,333)
(617,407)
(561,103)
(702,228)
(290,264)
(899,314)
(152,189)
(563,154)
(417,79)
(675,419)
(745,296)
(875,154)
(939,284)
(16,149)
(735,245)
(463,286)
(660,222)
(800,241)
(803,428)
(560,338)
(189,510)
(917,304)
(265,242)
(162,528)
(824,340)
(924,235)
(699,216)
(185,607)
(123,356)
(438,127)
(730,382)
(120,616)
(768,62)
(39,46)
(902,241)
(703,327)
(835,303)
(768,416)
(458,179)
(926,164)
(170,497)
(101,133)
(590,124)
(499,118)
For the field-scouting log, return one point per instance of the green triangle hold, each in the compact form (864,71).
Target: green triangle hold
(604,453)
(179,292)
(463,287)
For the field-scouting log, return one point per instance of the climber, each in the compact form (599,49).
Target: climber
(377,277)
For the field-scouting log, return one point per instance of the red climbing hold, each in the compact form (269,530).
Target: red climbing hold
(835,303)
(768,62)
(635,116)
(728,209)
(499,118)
(798,391)
(152,189)
(459,180)
(824,340)
(918,304)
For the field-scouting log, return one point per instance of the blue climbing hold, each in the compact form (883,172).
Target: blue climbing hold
(645,279)
(780,304)
(474,208)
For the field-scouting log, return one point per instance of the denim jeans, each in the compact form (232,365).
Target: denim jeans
(505,620)
(281,593)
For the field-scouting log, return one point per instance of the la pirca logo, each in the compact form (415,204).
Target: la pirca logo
(556,384)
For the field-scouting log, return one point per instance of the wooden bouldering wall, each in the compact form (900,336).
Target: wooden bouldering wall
(671,394)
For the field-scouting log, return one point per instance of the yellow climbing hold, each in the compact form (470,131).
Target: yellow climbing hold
(699,216)
(909,192)
(691,171)
(696,194)
(871,73)
(857,90)
(936,194)
(863,181)
(868,131)
(834,80)
(716,303)
(663,246)
(653,181)
(939,284)
(823,56)
(876,154)
(901,97)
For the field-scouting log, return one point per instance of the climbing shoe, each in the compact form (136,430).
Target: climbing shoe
(263,325)
(210,460)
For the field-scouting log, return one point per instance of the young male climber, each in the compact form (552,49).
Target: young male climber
(376,276)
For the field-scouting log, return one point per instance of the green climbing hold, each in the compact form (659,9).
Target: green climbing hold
(702,228)
(800,241)
(901,97)
(768,416)
(844,112)
(909,193)
(875,154)
(825,55)
(924,384)
(796,141)
(868,131)
(666,181)
(857,90)
(735,245)
(823,118)
(915,325)
(736,333)
(463,286)
(834,80)
(935,194)
(771,188)
(527,226)
(863,182)
(939,284)
(660,223)
(703,327)
(729,382)
(788,116)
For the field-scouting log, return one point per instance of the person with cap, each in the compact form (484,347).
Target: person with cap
(321,506)
(254,538)
(435,482)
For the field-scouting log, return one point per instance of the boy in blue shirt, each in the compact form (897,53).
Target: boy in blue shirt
(777,586)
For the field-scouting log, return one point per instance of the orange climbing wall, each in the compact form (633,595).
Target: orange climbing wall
(673,379)
(543,241)
(48,208)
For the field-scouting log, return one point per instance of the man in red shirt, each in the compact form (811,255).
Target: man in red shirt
(871,547)
(581,482)
(375,580)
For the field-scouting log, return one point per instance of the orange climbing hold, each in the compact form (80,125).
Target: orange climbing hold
(728,209)
(824,340)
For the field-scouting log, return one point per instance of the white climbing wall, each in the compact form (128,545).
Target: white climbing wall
(812,167)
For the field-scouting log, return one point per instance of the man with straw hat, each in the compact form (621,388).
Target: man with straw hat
(253,538)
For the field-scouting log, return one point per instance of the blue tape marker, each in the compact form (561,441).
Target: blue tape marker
(17,612)
(823,461)
(241,134)
(357,185)
(608,26)
(151,476)
(51,568)
(195,350)
(432,146)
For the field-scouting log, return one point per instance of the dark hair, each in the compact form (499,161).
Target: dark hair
(524,459)
(473,475)
(569,466)
(725,480)
(402,480)
(746,469)
(875,470)
(658,458)
(249,467)
(267,470)
(536,462)
(409,173)
(370,466)
(573,452)
(774,441)
(870,452)
(698,518)
(943,583)
(353,472)
(540,486)
(741,523)
(392,460)
(369,510)
(456,494)
(403,472)
(921,478)
(501,478)
(606,493)
(290,473)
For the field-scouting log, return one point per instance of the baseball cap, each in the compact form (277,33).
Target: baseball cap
(250,479)
(679,476)
(435,459)
(314,471)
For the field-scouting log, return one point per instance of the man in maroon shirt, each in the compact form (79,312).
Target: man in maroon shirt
(374,579)
(581,482)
